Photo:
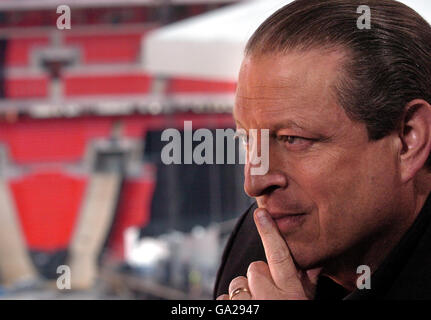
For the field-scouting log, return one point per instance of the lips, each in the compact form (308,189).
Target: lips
(277,216)
(288,222)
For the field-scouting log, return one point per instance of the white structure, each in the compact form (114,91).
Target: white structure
(211,46)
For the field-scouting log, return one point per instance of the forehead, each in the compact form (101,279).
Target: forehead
(297,85)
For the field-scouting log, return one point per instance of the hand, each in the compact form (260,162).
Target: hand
(279,279)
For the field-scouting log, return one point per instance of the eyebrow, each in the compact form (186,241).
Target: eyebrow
(290,124)
(286,124)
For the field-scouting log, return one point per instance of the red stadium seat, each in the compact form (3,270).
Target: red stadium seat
(48,204)
(52,139)
(110,84)
(19,49)
(133,210)
(26,87)
(113,48)
(65,140)
(187,86)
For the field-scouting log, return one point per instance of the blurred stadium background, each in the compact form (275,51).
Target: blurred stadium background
(81,115)
(81,179)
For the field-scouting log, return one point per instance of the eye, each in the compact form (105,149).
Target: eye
(296,142)
(292,139)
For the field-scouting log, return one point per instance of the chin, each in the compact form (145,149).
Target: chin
(307,256)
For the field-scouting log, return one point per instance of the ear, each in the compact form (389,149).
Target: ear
(415,135)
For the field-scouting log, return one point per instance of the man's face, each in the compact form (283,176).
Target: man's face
(328,187)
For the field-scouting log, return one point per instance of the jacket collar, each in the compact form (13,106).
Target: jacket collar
(396,277)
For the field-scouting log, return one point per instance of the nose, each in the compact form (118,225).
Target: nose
(260,185)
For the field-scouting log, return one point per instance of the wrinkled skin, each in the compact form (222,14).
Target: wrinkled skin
(355,202)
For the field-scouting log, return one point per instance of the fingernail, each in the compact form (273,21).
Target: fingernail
(262,217)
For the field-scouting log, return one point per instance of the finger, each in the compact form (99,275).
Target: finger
(239,290)
(280,262)
(260,281)
(223,297)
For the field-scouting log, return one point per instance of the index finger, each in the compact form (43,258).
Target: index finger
(280,261)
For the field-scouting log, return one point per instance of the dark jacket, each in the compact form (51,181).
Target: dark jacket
(404,274)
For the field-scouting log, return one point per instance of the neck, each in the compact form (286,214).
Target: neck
(343,269)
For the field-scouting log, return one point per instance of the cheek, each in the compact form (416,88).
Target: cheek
(350,192)
(334,183)
(330,228)
(326,179)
